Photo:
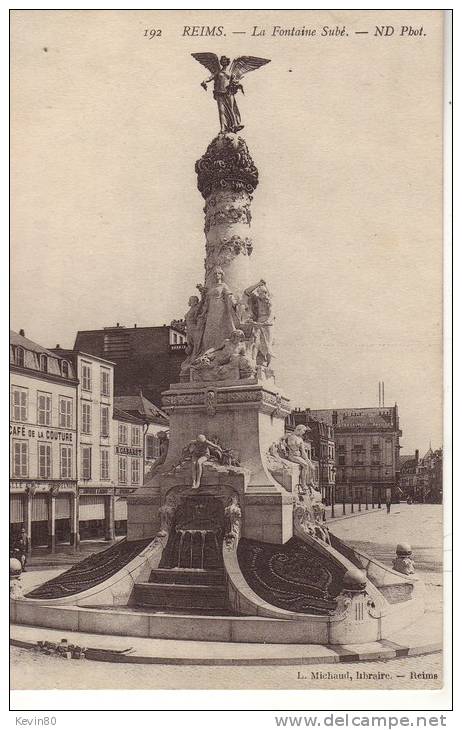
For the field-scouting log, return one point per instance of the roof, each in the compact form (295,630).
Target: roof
(63,352)
(140,407)
(31,360)
(18,340)
(120,415)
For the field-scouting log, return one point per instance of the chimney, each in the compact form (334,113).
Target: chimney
(134,325)
(417,456)
(58,347)
(22,333)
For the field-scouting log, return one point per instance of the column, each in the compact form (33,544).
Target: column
(75,536)
(28,520)
(51,523)
(109,517)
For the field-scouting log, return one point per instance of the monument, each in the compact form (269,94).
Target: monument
(228,521)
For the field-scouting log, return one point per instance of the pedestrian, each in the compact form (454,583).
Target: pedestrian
(388,499)
(21,547)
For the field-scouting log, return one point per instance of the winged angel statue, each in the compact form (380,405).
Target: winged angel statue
(226,85)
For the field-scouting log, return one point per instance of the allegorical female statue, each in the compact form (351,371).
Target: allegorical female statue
(218,312)
(226,86)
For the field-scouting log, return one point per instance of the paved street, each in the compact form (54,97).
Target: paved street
(38,671)
(376,533)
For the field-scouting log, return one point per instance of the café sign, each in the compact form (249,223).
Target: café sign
(128,451)
(47,434)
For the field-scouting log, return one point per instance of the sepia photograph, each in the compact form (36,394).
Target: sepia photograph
(226,350)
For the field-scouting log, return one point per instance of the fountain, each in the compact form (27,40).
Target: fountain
(228,523)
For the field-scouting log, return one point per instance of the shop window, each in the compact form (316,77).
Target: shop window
(86,417)
(44,461)
(86,376)
(123,433)
(104,464)
(122,469)
(20,458)
(65,457)
(19,404)
(135,436)
(65,412)
(20,356)
(104,421)
(135,471)
(44,409)
(105,382)
(86,462)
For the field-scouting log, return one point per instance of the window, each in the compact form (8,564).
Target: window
(20,458)
(86,417)
(86,462)
(105,382)
(65,412)
(135,436)
(44,409)
(86,376)
(20,356)
(65,462)
(341,460)
(44,461)
(135,471)
(65,369)
(341,448)
(104,421)
(152,447)
(123,433)
(43,363)
(104,464)
(19,404)
(122,469)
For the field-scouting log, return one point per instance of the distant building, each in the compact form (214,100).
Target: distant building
(366,449)
(321,438)
(421,479)
(128,442)
(147,358)
(154,421)
(43,444)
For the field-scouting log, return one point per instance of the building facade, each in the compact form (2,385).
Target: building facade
(322,443)
(366,450)
(128,439)
(146,358)
(421,479)
(43,444)
(96,469)
(154,422)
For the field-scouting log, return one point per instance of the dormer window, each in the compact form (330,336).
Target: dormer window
(65,369)
(43,363)
(20,356)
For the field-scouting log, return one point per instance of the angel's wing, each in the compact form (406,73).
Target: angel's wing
(209,60)
(244,64)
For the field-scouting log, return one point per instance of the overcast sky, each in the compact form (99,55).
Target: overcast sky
(107,222)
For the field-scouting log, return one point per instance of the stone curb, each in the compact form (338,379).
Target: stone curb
(309,654)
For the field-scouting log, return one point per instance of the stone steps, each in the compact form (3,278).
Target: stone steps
(174,596)
(185,576)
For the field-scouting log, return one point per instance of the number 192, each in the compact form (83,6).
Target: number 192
(152,33)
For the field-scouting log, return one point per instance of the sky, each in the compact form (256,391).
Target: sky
(107,221)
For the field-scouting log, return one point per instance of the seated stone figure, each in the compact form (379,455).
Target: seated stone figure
(228,362)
